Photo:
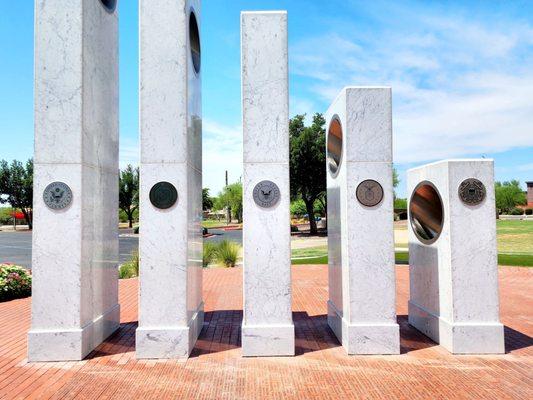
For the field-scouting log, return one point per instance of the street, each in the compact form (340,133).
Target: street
(15,247)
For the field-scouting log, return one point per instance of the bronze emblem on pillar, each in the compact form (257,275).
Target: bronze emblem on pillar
(472,191)
(266,194)
(369,193)
(163,195)
(57,196)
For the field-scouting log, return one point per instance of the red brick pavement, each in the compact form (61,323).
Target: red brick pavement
(321,369)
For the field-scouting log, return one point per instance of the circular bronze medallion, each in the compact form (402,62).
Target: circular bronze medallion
(266,194)
(369,193)
(163,195)
(57,196)
(472,191)
(110,5)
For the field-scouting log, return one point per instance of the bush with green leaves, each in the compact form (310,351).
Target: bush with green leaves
(210,253)
(508,196)
(400,204)
(15,282)
(516,211)
(130,269)
(228,253)
(5,216)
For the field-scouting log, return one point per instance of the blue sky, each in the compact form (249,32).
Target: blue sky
(461,73)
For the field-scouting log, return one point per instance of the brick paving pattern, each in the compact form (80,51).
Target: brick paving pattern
(321,369)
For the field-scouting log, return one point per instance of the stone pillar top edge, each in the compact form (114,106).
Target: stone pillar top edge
(451,161)
(266,12)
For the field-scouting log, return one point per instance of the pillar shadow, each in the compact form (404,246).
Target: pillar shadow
(515,340)
(221,332)
(412,339)
(312,333)
(121,341)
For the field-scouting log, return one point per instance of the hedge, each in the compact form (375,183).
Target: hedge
(15,282)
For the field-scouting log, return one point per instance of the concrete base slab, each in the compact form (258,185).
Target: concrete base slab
(71,344)
(458,338)
(364,338)
(271,340)
(171,342)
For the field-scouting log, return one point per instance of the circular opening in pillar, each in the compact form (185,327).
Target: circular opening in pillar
(426,212)
(194,42)
(110,5)
(334,146)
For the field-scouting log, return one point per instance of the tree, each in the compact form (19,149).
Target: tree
(207,201)
(231,196)
(128,194)
(299,209)
(16,187)
(395,180)
(308,163)
(509,195)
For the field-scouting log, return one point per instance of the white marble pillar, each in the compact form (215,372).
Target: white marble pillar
(267,328)
(170,300)
(75,238)
(362,291)
(453,255)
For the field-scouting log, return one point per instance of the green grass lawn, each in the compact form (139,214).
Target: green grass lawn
(515,247)
(515,237)
(212,223)
(401,258)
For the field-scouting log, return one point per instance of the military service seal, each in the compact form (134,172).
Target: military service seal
(266,194)
(163,195)
(57,196)
(472,191)
(369,193)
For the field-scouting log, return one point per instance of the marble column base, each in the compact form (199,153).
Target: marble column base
(268,340)
(364,338)
(169,342)
(458,338)
(72,344)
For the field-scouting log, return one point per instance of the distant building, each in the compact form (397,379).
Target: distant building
(529,194)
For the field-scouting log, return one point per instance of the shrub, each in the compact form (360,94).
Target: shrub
(5,216)
(210,253)
(130,269)
(126,271)
(400,204)
(227,253)
(529,211)
(136,230)
(15,282)
(516,211)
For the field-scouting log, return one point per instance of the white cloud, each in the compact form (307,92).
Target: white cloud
(222,150)
(129,151)
(461,87)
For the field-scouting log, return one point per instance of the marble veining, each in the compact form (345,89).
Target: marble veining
(268,329)
(362,286)
(454,281)
(171,244)
(75,250)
